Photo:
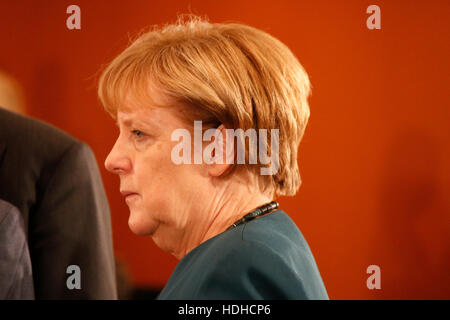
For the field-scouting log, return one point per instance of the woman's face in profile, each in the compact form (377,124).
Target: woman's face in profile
(159,193)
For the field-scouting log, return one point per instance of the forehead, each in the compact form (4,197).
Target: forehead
(150,117)
(152,107)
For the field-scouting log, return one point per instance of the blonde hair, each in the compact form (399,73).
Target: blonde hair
(226,73)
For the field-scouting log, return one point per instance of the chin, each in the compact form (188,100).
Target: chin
(140,227)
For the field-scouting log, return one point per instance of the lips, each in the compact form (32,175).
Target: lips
(127,193)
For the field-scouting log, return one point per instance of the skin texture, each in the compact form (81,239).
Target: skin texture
(180,206)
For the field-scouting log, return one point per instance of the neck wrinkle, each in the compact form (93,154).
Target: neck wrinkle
(219,225)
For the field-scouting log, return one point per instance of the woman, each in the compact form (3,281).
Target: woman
(177,93)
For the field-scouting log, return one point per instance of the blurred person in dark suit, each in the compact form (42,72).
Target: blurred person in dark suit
(16,280)
(54,181)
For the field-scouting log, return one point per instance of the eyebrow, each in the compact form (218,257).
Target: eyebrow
(147,123)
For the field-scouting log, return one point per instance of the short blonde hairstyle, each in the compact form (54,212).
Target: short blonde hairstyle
(227,73)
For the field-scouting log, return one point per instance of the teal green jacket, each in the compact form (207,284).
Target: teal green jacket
(266,258)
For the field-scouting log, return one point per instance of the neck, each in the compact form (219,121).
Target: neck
(221,216)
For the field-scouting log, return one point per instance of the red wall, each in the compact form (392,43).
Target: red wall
(375,156)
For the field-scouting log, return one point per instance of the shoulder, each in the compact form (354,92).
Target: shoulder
(275,233)
(38,145)
(266,258)
(35,143)
(19,128)
(32,153)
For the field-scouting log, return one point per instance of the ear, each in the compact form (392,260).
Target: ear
(220,160)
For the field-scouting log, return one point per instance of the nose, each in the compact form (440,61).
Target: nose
(118,160)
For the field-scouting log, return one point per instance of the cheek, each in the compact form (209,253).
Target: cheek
(155,168)
(164,185)
(157,177)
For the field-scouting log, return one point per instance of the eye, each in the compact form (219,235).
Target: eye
(140,139)
(138,133)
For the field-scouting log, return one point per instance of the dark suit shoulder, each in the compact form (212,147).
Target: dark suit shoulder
(30,151)
(20,131)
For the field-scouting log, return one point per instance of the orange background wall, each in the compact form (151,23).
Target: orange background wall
(375,156)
